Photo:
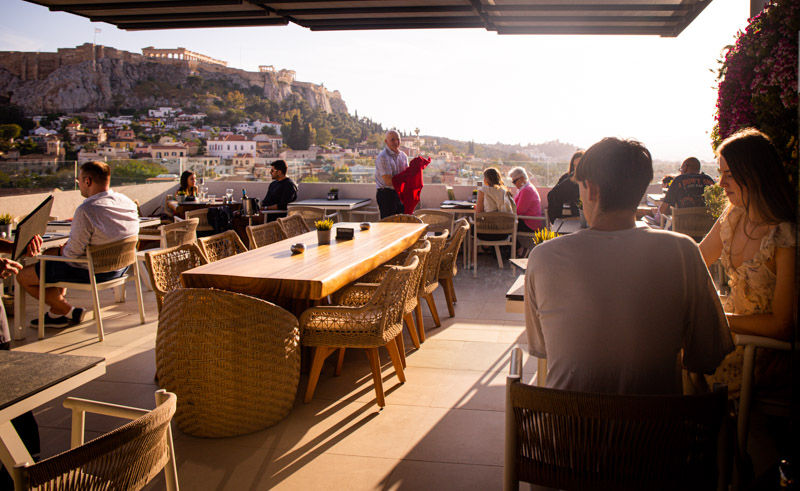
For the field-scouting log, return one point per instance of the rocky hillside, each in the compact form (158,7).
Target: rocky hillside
(111,83)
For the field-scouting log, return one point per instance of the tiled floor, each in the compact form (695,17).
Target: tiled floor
(442,429)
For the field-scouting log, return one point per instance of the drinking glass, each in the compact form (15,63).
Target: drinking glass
(229,193)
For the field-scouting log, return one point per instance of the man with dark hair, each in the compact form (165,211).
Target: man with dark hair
(282,191)
(686,190)
(588,308)
(105,216)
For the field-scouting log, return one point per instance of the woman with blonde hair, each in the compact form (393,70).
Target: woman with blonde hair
(494,196)
(755,239)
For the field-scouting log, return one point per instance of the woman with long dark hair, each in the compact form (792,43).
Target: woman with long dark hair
(755,240)
(188,181)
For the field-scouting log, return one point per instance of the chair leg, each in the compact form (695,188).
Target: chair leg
(320,353)
(499,257)
(420,325)
(401,347)
(452,289)
(475,258)
(449,294)
(139,295)
(97,318)
(339,363)
(42,289)
(412,329)
(374,363)
(432,307)
(394,354)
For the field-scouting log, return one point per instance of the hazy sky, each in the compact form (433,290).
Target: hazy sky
(465,84)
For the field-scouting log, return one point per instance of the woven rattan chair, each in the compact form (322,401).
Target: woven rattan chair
(449,264)
(203,227)
(573,440)
(294,225)
(312,214)
(694,222)
(220,246)
(233,361)
(166,265)
(125,458)
(265,234)
(172,234)
(99,259)
(430,281)
(368,325)
(400,218)
(376,276)
(497,223)
(437,220)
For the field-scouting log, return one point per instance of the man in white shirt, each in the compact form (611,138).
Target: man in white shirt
(390,162)
(104,217)
(617,308)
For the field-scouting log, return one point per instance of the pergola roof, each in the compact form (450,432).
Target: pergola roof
(654,17)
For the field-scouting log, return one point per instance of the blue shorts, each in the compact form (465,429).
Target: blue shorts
(56,271)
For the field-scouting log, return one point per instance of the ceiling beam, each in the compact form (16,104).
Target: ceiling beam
(377,10)
(123,18)
(198,24)
(586,30)
(69,7)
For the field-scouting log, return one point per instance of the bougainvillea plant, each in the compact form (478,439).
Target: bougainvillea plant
(758,80)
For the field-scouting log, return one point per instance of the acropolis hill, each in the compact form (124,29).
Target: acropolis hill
(98,77)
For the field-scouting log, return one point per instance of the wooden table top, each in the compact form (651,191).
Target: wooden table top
(272,272)
(333,204)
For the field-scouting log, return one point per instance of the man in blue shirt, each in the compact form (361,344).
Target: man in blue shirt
(390,162)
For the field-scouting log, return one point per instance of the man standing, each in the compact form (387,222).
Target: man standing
(686,190)
(390,162)
(104,217)
(589,302)
(282,191)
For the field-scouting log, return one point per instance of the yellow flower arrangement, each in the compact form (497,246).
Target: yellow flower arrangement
(542,235)
(326,224)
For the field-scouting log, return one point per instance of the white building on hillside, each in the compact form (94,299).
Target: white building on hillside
(230,145)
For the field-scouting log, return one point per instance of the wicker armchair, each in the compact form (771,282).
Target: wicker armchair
(573,440)
(430,281)
(203,227)
(400,218)
(438,221)
(126,458)
(265,234)
(377,275)
(294,225)
(449,264)
(368,325)
(495,223)
(311,214)
(220,246)
(233,361)
(102,258)
(166,265)
(173,234)
(694,222)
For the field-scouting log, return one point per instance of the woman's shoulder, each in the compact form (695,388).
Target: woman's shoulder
(785,234)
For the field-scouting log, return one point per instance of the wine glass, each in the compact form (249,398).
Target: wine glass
(229,193)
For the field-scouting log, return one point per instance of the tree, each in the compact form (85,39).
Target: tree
(269,130)
(324,136)
(235,99)
(10,131)
(27,146)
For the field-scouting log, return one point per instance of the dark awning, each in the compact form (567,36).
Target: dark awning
(654,17)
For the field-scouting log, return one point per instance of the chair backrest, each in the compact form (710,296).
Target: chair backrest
(265,234)
(401,218)
(573,440)
(309,213)
(202,216)
(114,255)
(694,222)
(294,225)
(495,222)
(388,301)
(421,253)
(166,265)
(449,262)
(437,220)
(432,263)
(246,379)
(179,233)
(125,458)
(220,246)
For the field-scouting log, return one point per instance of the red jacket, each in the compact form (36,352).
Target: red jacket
(408,183)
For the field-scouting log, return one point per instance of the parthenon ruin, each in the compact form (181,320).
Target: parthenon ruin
(180,54)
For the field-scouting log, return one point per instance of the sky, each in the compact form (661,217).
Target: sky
(465,84)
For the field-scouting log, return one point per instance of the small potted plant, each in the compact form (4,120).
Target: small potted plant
(324,228)
(333,193)
(180,196)
(715,198)
(5,224)
(542,235)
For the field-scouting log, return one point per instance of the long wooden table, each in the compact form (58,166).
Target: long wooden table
(274,274)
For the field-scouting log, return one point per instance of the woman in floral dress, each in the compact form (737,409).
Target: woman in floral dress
(755,241)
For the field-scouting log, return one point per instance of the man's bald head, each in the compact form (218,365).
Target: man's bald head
(690,166)
(392,140)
